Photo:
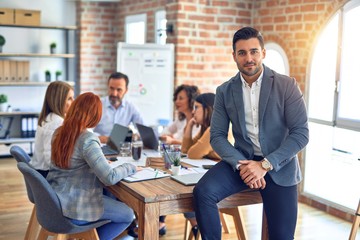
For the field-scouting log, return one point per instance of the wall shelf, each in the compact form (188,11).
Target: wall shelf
(30,84)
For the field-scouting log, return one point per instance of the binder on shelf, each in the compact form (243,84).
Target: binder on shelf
(6,65)
(1,71)
(13,71)
(26,71)
(28,126)
(19,71)
(24,127)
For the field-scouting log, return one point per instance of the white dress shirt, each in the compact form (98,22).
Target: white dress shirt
(125,114)
(42,152)
(251,97)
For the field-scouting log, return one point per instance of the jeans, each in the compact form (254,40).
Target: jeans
(120,215)
(221,181)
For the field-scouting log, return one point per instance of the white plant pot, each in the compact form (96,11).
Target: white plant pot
(175,170)
(3,107)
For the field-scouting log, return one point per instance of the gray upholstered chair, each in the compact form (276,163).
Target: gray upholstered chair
(33,228)
(48,210)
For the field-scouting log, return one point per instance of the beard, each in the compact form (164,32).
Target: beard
(114,100)
(250,73)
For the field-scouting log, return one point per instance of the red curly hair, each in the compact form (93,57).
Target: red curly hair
(85,112)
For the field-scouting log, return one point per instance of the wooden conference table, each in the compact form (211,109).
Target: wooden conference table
(164,196)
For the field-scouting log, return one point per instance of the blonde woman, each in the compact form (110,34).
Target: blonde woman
(58,98)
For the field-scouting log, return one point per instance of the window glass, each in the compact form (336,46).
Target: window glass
(349,81)
(333,153)
(160,27)
(135,29)
(322,76)
(276,58)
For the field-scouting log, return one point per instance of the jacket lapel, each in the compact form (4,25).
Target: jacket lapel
(237,96)
(266,85)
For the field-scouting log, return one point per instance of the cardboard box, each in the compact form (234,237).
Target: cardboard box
(6,16)
(27,17)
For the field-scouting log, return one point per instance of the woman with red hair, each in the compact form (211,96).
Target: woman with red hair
(79,170)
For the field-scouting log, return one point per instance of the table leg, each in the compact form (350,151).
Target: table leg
(148,221)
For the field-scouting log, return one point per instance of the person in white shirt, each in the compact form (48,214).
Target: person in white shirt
(58,98)
(116,109)
(184,97)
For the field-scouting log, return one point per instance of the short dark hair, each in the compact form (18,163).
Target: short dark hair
(246,33)
(119,75)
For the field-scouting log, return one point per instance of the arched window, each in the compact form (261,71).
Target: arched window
(332,157)
(276,58)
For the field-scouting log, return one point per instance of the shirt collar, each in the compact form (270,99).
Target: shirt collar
(257,82)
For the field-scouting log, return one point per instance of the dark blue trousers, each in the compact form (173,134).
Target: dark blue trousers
(280,203)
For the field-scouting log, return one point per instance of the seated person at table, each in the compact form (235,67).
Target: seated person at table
(199,146)
(116,109)
(58,98)
(184,97)
(79,171)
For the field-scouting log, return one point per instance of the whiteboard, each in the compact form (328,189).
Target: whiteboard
(150,68)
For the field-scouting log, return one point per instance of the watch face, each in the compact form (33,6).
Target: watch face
(265,165)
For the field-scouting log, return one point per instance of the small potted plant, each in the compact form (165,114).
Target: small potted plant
(175,163)
(3,101)
(57,75)
(48,76)
(2,42)
(52,47)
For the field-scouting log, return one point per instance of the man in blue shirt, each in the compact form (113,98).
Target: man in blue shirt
(116,109)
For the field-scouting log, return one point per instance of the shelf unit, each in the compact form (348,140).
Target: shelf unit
(70,62)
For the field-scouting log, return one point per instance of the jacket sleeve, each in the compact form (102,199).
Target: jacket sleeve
(108,175)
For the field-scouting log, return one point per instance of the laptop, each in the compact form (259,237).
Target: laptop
(188,179)
(117,137)
(148,137)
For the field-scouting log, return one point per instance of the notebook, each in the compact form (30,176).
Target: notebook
(146,174)
(188,179)
(148,137)
(117,136)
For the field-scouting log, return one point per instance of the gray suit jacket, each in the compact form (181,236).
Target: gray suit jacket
(283,128)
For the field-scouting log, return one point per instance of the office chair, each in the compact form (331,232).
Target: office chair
(33,228)
(356,224)
(48,210)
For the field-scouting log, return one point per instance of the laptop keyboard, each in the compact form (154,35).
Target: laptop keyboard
(108,150)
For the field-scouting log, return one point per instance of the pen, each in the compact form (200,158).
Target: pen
(156,173)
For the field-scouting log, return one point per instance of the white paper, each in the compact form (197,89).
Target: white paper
(146,174)
(198,162)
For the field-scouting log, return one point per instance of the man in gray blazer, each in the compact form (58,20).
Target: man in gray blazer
(269,124)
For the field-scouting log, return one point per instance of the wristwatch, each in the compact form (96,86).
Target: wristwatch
(265,164)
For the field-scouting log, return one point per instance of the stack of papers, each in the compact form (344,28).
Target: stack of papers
(146,174)
(198,162)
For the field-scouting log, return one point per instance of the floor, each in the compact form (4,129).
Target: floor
(15,212)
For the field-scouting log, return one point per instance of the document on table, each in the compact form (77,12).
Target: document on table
(198,162)
(146,174)
(184,171)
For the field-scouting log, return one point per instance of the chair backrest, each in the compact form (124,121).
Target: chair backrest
(48,208)
(21,156)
